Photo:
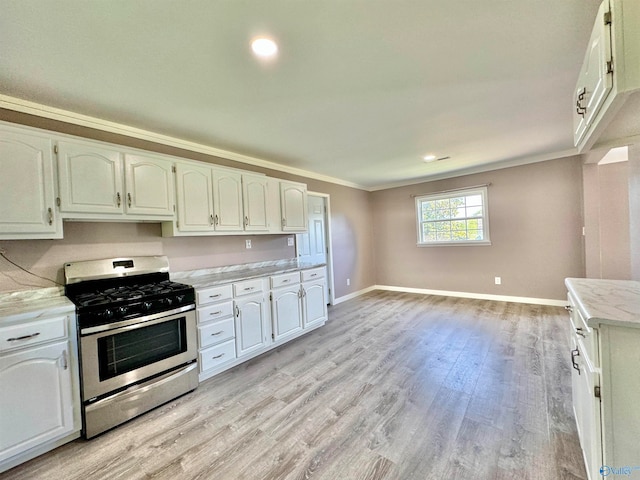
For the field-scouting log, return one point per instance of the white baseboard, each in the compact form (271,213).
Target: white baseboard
(446,293)
(344,298)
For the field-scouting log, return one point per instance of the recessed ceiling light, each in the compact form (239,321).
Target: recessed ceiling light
(433,158)
(264,47)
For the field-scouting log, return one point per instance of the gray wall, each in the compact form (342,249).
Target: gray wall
(536,233)
(606,207)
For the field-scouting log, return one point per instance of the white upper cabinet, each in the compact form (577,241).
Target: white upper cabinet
(90,178)
(293,206)
(103,183)
(195,198)
(27,186)
(610,72)
(212,200)
(596,75)
(227,201)
(255,200)
(149,186)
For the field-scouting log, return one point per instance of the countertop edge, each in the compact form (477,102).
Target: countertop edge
(623,311)
(213,277)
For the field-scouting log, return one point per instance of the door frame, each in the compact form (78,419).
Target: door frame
(327,242)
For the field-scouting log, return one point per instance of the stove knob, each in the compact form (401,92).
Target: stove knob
(179,299)
(168,301)
(108,314)
(146,306)
(122,311)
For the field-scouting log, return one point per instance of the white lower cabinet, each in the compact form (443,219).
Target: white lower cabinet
(286,308)
(251,324)
(314,300)
(39,393)
(235,322)
(605,378)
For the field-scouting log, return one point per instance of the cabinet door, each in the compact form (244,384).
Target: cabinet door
(90,178)
(227,201)
(27,199)
(594,81)
(149,185)
(195,198)
(255,201)
(35,399)
(587,410)
(314,303)
(286,312)
(293,204)
(251,332)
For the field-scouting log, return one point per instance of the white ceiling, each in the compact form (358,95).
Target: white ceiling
(361,89)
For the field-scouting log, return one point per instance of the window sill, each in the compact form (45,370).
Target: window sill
(483,243)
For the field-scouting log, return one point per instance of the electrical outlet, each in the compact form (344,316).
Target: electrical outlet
(348,282)
(290,241)
(498,280)
(247,243)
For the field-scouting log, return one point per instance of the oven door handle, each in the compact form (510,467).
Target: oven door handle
(135,323)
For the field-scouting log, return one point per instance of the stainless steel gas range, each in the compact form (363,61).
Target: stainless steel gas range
(137,330)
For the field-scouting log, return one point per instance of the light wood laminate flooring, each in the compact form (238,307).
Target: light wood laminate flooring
(394,386)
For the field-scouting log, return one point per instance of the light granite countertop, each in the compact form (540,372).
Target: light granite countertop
(607,302)
(33,304)
(220,275)
(44,302)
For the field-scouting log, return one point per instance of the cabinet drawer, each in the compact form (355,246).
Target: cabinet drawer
(217,355)
(285,279)
(213,294)
(216,332)
(312,274)
(25,334)
(248,287)
(215,311)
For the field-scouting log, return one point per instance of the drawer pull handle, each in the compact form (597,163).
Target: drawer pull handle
(216,313)
(217,333)
(218,356)
(313,275)
(286,281)
(215,296)
(24,337)
(249,288)
(575,353)
(579,332)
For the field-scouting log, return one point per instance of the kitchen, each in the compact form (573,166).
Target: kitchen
(373,230)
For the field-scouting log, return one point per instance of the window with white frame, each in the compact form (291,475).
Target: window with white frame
(457,217)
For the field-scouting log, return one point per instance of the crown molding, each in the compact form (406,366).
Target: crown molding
(53,113)
(514,162)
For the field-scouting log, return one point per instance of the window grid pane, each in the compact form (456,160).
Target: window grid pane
(457,219)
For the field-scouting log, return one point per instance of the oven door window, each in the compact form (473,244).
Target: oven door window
(136,348)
